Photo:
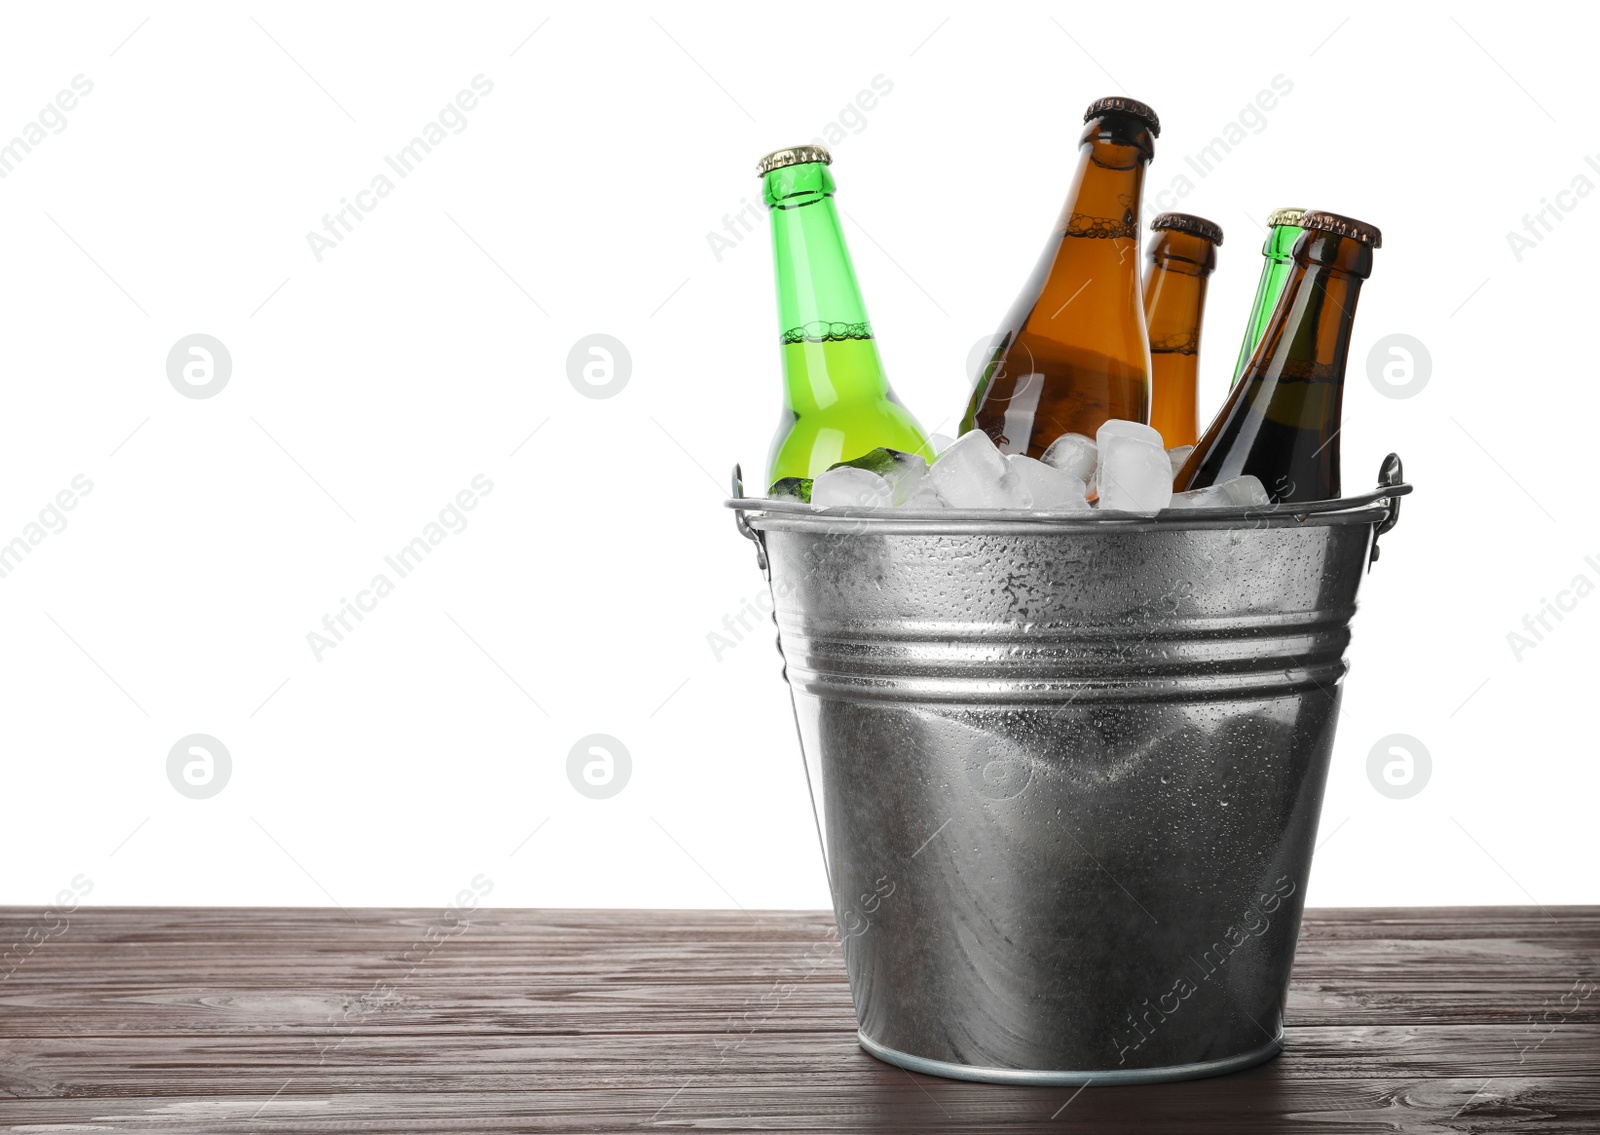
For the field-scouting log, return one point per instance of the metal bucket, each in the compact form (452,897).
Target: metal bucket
(1067,770)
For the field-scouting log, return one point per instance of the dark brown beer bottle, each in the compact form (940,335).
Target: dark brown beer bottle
(1073,350)
(1281,422)
(1181,258)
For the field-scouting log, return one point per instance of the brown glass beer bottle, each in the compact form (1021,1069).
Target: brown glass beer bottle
(1073,350)
(1182,254)
(1281,421)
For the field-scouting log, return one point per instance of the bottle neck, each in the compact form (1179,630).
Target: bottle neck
(1103,203)
(1180,263)
(1307,338)
(1280,243)
(819,299)
(1278,251)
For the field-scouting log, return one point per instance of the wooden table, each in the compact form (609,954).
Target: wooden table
(251,1020)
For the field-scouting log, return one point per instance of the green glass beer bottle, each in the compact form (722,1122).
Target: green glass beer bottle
(837,403)
(1283,229)
(1280,423)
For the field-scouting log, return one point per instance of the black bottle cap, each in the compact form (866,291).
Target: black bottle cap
(1327,222)
(1127,106)
(1189,223)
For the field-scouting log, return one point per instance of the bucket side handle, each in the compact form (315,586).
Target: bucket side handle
(1390,474)
(743,525)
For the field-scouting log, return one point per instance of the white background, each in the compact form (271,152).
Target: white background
(369,388)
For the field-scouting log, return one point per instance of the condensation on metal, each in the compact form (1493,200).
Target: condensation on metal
(1067,771)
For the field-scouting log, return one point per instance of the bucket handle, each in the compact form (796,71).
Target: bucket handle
(1390,474)
(744,525)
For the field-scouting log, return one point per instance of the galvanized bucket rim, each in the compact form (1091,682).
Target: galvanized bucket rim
(1366,508)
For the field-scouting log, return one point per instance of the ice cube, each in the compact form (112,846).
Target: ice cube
(1119,427)
(972,473)
(1075,455)
(901,470)
(1178,454)
(923,497)
(844,485)
(791,489)
(1198,498)
(1051,489)
(1244,491)
(1135,475)
(938,443)
(1239,492)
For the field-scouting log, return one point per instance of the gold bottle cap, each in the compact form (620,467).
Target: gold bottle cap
(1133,107)
(1325,222)
(793,156)
(1285,217)
(1189,223)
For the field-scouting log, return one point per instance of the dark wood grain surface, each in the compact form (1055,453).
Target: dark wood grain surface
(251,1020)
